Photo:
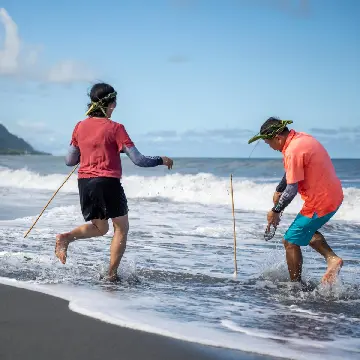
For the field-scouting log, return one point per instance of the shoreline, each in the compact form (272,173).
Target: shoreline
(40,326)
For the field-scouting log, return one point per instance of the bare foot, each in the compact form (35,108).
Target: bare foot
(113,277)
(334,265)
(62,243)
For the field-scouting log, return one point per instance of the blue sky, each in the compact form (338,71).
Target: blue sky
(194,77)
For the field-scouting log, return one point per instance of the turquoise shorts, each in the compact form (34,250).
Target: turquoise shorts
(303,228)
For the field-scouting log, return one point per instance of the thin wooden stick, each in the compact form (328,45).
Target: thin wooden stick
(67,178)
(233,212)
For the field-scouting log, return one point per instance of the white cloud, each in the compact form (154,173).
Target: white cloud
(68,71)
(17,61)
(234,135)
(9,55)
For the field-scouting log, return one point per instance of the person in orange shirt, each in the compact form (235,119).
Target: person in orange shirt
(308,171)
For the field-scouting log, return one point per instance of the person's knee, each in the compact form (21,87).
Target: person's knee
(121,230)
(121,234)
(102,226)
(121,226)
(316,238)
(289,246)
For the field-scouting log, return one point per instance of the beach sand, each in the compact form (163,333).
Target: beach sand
(39,326)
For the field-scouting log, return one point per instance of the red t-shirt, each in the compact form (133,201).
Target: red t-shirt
(100,141)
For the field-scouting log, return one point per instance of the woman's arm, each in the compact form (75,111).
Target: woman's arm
(126,145)
(141,160)
(73,156)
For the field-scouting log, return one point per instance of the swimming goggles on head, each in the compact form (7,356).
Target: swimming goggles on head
(99,104)
(271,131)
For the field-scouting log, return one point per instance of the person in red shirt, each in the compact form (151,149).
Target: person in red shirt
(97,143)
(308,171)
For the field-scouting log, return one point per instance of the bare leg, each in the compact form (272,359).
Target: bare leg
(85,231)
(118,244)
(294,260)
(334,263)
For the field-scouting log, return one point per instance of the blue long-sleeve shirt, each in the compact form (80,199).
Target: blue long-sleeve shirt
(73,157)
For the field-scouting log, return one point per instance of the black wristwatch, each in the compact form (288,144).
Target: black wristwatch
(275,210)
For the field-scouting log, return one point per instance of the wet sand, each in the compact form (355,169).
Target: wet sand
(39,326)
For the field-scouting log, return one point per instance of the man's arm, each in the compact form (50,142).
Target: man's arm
(73,156)
(294,172)
(282,185)
(286,197)
(141,160)
(279,190)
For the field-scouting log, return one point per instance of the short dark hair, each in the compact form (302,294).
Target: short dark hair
(98,92)
(270,124)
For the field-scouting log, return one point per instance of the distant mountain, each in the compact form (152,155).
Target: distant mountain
(12,145)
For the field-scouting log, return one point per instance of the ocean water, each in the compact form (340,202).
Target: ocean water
(178,270)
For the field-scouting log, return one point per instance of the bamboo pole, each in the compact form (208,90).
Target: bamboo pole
(67,178)
(233,212)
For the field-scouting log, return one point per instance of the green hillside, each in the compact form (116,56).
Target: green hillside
(13,145)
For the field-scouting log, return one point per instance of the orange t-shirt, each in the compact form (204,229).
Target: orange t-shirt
(100,141)
(307,162)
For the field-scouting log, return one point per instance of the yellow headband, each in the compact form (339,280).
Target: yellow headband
(98,105)
(271,131)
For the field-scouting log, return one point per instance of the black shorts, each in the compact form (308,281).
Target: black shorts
(102,198)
